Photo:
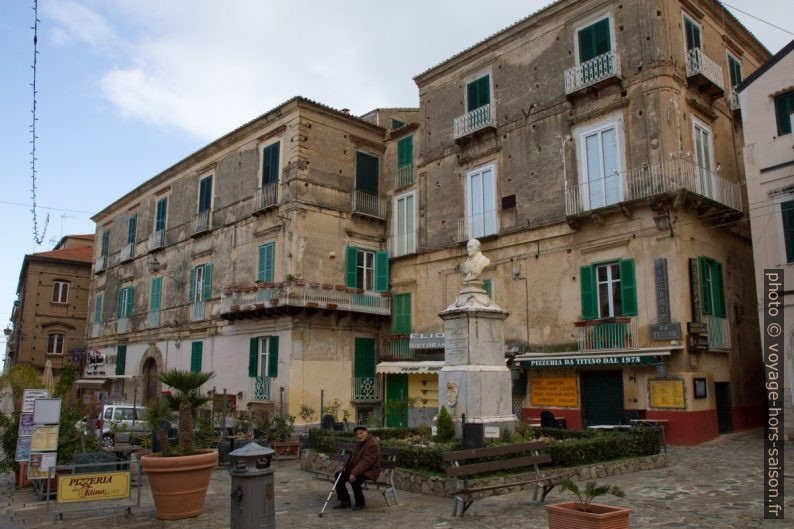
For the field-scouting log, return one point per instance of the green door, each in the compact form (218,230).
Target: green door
(364,387)
(397,401)
(602,397)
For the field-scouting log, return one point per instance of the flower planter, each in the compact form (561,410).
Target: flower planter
(312,304)
(331,306)
(341,288)
(234,308)
(289,449)
(179,484)
(566,516)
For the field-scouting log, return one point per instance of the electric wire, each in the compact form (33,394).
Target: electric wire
(38,238)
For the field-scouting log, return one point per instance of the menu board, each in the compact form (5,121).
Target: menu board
(667,393)
(29,398)
(553,391)
(44,438)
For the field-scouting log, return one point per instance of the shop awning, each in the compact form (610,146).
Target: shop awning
(91,382)
(590,359)
(410,367)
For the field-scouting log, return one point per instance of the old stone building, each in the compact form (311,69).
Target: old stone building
(595,150)
(49,316)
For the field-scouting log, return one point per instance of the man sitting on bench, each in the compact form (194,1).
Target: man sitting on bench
(363,464)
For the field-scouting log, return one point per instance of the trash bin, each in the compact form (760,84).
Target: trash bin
(253,504)
(473,434)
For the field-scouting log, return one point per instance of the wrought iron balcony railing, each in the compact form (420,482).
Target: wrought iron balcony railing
(127,252)
(612,333)
(203,222)
(477,226)
(733,98)
(95,328)
(592,71)
(404,244)
(366,389)
(477,119)
(266,197)
(198,310)
(260,388)
(122,325)
(101,263)
(404,177)
(153,319)
(698,63)
(368,204)
(156,240)
(719,332)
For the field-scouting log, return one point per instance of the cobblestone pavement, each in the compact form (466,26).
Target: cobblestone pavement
(714,485)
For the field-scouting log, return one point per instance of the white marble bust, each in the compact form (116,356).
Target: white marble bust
(475,263)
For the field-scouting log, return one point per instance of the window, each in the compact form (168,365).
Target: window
(401,314)
(608,290)
(405,225)
(478,93)
(98,309)
(481,202)
(691,33)
(105,248)
(132,228)
(366,269)
(405,152)
(60,291)
(787,212)
(266,259)
(205,194)
(367,173)
(196,351)
(200,288)
(121,359)
(160,214)
(712,290)
(487,285)
(784,106)
(124,306)
(396,124)
(270,169)
(156,294)
(600,152)
(701,141)
(263,357)
(734,70)
(55,343)
(593,40)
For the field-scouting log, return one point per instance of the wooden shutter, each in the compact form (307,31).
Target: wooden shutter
(195,356)
(401,314)
(132,228)
(718,286)
(735,70)
(265,269)
(705,288)
(405,152)
(692,34)
(478,93)
(207,294)
(121,359)
(589,299)
(205,194)
(364,362)
(120,303)
(130,296)
(381,271)
(162,206)
(98,309)
(628,288)
(105,242)
(783,108)
(191,288)
(157,287)
(270,164)
(367,173)
(272,356)
(586,44)
(787,211)
(253,357)
(351,256)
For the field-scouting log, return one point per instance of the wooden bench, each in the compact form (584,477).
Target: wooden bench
(467,464)
(385,481)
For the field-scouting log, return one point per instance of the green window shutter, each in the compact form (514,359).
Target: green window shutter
(381,271)
(191,287)
(405,152)
(205,194)
(396,124)
(265,269)
(589,299)
(783,108)
(364,361)
(132,228)
(130,297)
(735,70)
(272,356)
(705,291)
(162,206)
(486,285)
(478,93)
(270,164)
(719,289)
(105,242)
(195,356)
(119,302)
(692,34)
(351,255)
(601,37)
(253,357)
(787,211)
(207,294)
(367,173)
(628,288)
(98,309)
(401,314)
(121,359)
(157,287)
(586,44)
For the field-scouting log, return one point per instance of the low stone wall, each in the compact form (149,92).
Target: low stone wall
(411,481)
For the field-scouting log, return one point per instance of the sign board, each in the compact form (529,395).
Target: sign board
(697,327)
(491,432)
(428,340)
(667,394)
(89,487)
(30,396)
(600,361)
(665,331)
(694,288)
(696,343)
(40,463)
(47,411)
(44,438)
(662,291)
(553,391)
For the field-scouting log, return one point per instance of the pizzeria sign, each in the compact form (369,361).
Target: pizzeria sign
(598,361)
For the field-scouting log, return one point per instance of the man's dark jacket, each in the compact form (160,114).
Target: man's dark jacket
(365,460)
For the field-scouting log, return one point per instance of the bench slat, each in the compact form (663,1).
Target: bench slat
(476,453)
(491,466)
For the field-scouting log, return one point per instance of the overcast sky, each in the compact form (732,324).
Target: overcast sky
(129,87)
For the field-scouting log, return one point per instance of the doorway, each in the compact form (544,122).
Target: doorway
(722,396)
(602,397)
(149,381)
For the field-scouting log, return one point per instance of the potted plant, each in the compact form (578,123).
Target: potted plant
(280,438)
(179,480)
(584,513)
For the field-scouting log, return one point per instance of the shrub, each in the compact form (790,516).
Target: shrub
(445,428)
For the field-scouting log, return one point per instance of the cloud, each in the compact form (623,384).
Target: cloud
(76,22)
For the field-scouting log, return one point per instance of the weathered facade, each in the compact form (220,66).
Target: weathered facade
(595,150)
(767,101)
(49,316)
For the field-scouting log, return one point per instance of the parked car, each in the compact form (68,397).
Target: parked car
(118,423)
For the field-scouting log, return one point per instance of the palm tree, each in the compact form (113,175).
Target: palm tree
(185,400)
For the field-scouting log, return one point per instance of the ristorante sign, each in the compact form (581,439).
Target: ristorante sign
(600,361)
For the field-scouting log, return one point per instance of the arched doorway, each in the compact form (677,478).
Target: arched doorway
(149,380)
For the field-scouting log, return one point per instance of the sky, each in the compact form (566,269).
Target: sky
(126,88)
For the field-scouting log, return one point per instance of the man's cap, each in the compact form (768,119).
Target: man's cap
(360,427)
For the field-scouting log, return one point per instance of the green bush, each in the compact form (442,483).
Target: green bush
(604,447)
(445,428)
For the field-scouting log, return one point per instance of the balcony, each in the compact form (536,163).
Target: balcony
(477,119)
(122,325)
(719,333)
(404,244)
(665,177)
(478,226)
(366,389)
(202,223)
(612,334)
(100,264)
(593,72)
(733,99)
(59,308)
(95,328)
(242,301)
(404,177)
(266,198)
(260,388)
(56,360)
(127,252)
(153,319)
(368,205)
(198,310)
(156,241)
(704,73)
(398,349)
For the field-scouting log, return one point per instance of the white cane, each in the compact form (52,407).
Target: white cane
(330,494)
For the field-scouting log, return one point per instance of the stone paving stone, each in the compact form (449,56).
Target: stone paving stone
(714,485)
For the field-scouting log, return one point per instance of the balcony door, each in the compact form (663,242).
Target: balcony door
(703,152)
(481,202)
(364,369)
(601,157)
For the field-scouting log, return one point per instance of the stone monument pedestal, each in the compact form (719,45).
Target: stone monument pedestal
(475,381)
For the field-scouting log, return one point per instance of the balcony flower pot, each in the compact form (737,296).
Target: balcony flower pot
(331,306)
(287,449)
(234,308)
(260,306)
(567,516)
(312,304)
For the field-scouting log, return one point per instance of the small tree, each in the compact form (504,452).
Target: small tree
(157,414)
(185,400)
(445,428)
(591,491)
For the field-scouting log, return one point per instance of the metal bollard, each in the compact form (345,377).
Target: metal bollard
(252,498)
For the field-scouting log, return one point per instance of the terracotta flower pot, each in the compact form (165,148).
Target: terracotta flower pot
(566,516)
(179,484)
(289,449)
